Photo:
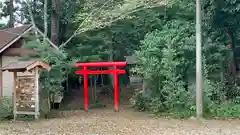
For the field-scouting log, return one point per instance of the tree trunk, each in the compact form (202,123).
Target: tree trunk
(55,22)
(32,20)
(34,6)
(11,10)
(45,21)
(111,59)
(233,47)
(234,52)
(144,84)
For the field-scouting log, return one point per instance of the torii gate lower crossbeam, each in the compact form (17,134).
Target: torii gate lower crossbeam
(115,71)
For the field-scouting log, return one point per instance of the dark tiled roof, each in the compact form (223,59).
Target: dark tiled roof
(10,34)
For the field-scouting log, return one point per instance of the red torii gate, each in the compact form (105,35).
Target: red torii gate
(115,71)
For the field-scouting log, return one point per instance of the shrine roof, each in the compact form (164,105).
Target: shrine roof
(22,66)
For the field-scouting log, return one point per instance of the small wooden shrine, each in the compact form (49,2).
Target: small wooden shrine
(131,63)
(26,86)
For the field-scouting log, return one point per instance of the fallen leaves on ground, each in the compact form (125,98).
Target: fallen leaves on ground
(126,122)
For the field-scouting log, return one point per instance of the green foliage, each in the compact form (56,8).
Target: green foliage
(226,110)
(5,8)
(167,59)
(162,59)
(140,101)
(166,53)
(221,89)
(104,13)
(2,25)
(50,81)
(6,108)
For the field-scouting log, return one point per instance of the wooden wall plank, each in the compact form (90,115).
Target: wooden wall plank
(14,95)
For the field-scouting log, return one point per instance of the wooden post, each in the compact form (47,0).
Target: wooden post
(85,88)
(14,95)
(36,93)
(1,78)
(116,94)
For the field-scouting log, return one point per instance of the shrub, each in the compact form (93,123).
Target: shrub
(163,61)
(6,108)
(226,110)
(139,101)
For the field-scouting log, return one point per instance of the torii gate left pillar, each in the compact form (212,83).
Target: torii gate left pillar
(115,71)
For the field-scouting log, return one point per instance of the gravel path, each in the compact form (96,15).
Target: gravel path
(126,122)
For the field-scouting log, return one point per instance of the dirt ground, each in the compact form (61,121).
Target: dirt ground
(125,122)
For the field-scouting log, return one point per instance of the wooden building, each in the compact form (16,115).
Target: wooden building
(11,42)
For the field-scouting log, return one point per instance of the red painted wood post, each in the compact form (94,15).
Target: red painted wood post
(85,88)
(116,96)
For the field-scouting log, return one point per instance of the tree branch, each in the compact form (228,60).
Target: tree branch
(120,17)
(32,19)
(37,30)
(76,31)
(47,39)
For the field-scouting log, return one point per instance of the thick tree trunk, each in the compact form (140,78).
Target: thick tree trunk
(55,21)
(11,10)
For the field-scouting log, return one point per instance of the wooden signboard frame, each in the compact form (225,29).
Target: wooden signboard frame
(26,66)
